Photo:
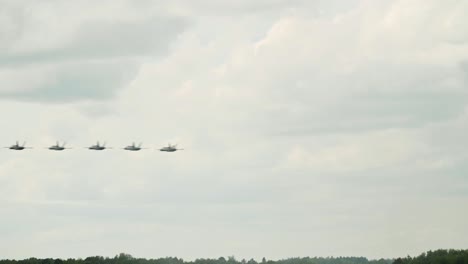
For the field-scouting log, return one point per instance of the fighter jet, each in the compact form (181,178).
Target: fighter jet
(170,148)
(57,147)
(18,147)
(133,147)
(98,147)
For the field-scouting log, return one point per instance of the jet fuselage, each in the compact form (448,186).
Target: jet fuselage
(97,148)
(16,147)
(132,148)
(57,148)
(168,149)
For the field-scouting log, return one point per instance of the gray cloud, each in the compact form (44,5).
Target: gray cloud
(381,96)
(79,81)
(98,59)
(98,40)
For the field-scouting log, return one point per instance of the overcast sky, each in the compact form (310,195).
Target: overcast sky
(310,127)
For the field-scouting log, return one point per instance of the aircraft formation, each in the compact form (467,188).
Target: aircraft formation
(97,146)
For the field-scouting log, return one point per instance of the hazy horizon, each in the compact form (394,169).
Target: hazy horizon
(310,128)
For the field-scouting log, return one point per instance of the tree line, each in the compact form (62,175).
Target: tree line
(431,257)
(441,256)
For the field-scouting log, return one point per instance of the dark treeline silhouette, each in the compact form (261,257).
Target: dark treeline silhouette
(441,256)
(123,258)
(432,257)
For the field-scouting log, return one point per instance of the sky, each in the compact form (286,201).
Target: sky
(310,128)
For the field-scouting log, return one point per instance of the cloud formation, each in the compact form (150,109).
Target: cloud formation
(52,57)
(308,126)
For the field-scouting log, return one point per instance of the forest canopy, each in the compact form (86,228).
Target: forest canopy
(431,257)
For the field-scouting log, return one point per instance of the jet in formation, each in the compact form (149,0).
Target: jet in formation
(98,146)
(133,147)
(17,146)
(57,147)
(170,148)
